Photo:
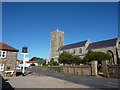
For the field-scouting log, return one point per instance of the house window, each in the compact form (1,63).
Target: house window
(2,54)
(1,67)
(80,50)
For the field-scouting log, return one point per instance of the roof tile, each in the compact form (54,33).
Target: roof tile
(74,45)
(4,46)
(101,44)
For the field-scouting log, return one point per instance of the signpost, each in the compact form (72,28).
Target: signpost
(24,52)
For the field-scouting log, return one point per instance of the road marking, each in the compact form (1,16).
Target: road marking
(112,83)
(81,78)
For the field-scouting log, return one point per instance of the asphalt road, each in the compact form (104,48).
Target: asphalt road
(91,81)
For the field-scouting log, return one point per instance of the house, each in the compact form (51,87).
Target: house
(8,57)
(27,63)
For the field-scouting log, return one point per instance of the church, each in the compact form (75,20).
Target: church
(111,46)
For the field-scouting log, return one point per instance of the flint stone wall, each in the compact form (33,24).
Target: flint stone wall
(114,71)
(9,61)
(78,70)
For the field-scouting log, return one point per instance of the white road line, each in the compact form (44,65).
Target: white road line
(81,78)
(112,83)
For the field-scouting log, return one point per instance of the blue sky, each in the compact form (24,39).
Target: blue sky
(29,24)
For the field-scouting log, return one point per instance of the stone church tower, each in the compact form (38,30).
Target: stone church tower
(56,41)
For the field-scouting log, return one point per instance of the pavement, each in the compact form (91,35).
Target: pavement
(34,80)
(43,79)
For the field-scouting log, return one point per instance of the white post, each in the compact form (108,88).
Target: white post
(24,54)
(23,70)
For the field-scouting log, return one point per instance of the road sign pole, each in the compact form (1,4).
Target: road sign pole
(24,55)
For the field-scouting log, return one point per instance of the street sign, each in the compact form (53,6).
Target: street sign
(24,50)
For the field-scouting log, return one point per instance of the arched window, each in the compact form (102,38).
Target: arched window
(73,51)
(80,50)
(112,55)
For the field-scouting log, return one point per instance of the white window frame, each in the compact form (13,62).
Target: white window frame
(1,56)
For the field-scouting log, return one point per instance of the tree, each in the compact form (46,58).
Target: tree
(67,58)
(44,63)
(36,58)
(77,60)
(53,63)
(52,60)
(32,64)
(98,56)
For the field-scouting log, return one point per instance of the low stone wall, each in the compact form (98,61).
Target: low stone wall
(78,70)
(114,71)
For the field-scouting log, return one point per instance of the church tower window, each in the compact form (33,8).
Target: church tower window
(60,38)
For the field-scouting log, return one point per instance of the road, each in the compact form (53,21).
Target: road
(91,81)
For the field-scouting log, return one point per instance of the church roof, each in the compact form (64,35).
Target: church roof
(74,45)
(101,44)
(4,46)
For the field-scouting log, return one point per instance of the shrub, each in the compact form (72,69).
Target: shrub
(53,63)
(67,58)
(32,64)
(44,63)
(98,56)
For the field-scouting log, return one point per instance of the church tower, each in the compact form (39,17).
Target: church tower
(56,41)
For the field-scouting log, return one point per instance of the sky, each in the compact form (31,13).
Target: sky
(30,23)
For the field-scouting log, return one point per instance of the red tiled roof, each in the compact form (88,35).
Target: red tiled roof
(28,62)
(18,60)
(4,46)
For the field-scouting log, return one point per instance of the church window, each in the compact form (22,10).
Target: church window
(80,50)
(60,38)
(2,54)
(73,51)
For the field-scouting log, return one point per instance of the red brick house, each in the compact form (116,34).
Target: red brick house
(8,57)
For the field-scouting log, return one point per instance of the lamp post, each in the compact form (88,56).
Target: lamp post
(24,52)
